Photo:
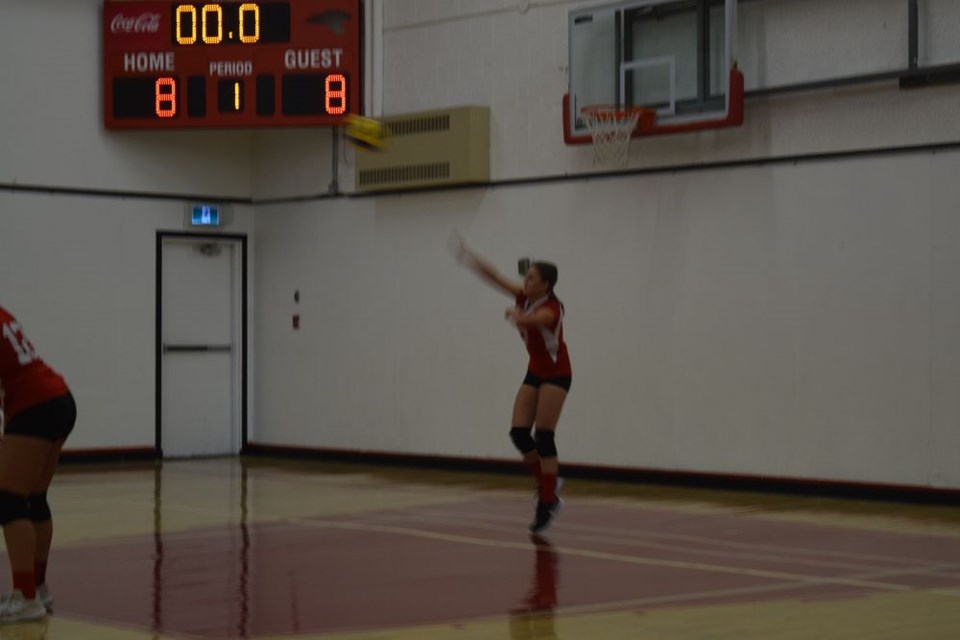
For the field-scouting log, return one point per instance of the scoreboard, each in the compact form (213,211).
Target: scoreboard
(169,65)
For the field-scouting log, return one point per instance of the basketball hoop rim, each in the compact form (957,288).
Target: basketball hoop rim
(611,128)
(617,111)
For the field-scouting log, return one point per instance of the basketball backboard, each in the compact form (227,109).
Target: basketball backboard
(676,57)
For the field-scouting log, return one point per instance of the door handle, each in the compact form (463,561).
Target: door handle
(196,348)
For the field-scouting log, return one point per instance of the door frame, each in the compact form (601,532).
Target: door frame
(158,329)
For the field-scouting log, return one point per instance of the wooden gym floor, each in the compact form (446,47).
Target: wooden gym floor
(269,549)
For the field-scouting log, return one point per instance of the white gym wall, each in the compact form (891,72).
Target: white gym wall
(79,269)
(787,319)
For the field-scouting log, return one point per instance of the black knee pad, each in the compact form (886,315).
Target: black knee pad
(13,507)
(39,508)
(522,439)
(546,446)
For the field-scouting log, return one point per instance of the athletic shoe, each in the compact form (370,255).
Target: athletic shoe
(43,595)
(15,608)
(545,515)
(536,494)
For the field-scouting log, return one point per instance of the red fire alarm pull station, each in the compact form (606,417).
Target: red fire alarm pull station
(296,321)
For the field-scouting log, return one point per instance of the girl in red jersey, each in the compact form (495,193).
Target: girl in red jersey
(39,414)
(538,315)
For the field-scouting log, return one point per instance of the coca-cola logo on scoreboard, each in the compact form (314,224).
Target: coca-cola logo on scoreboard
(143,23)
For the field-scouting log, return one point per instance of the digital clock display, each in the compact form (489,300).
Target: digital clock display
(231,64)
(246,23)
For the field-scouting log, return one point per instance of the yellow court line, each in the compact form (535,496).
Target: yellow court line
(615,557)
(876,617)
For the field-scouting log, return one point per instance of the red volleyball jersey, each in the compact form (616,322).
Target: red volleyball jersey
(548,351)
(25,379)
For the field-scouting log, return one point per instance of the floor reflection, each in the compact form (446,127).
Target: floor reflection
(533,619)
(163,585)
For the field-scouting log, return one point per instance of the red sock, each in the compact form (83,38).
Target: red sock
(548,488)
(40,571)
(24,580)
(534,468)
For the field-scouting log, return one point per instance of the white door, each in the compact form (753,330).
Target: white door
(200,347)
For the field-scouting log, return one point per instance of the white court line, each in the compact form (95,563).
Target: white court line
(620,605)
(947,572)
(462,519)
(640,533)
(628,559)
(933,567)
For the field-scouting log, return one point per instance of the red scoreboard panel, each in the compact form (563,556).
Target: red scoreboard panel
(169,65)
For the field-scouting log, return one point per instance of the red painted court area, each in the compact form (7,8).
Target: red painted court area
(473,560)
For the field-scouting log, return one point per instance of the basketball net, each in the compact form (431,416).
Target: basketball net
(611,128)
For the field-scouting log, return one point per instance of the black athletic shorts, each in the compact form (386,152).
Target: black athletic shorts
(51,420)
(559,381)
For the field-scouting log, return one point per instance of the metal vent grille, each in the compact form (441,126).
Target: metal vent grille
(404,174)
(422,124)
(429,149)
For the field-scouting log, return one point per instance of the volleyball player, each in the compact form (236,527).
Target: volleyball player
(538,315)
(39,414)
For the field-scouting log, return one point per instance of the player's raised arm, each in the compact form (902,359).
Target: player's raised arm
(541,317)
(482,268)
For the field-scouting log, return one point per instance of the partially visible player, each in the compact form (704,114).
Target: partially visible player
(39,414)
(538,315)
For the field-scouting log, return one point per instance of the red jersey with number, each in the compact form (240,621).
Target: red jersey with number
(25,379)
(548,351)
